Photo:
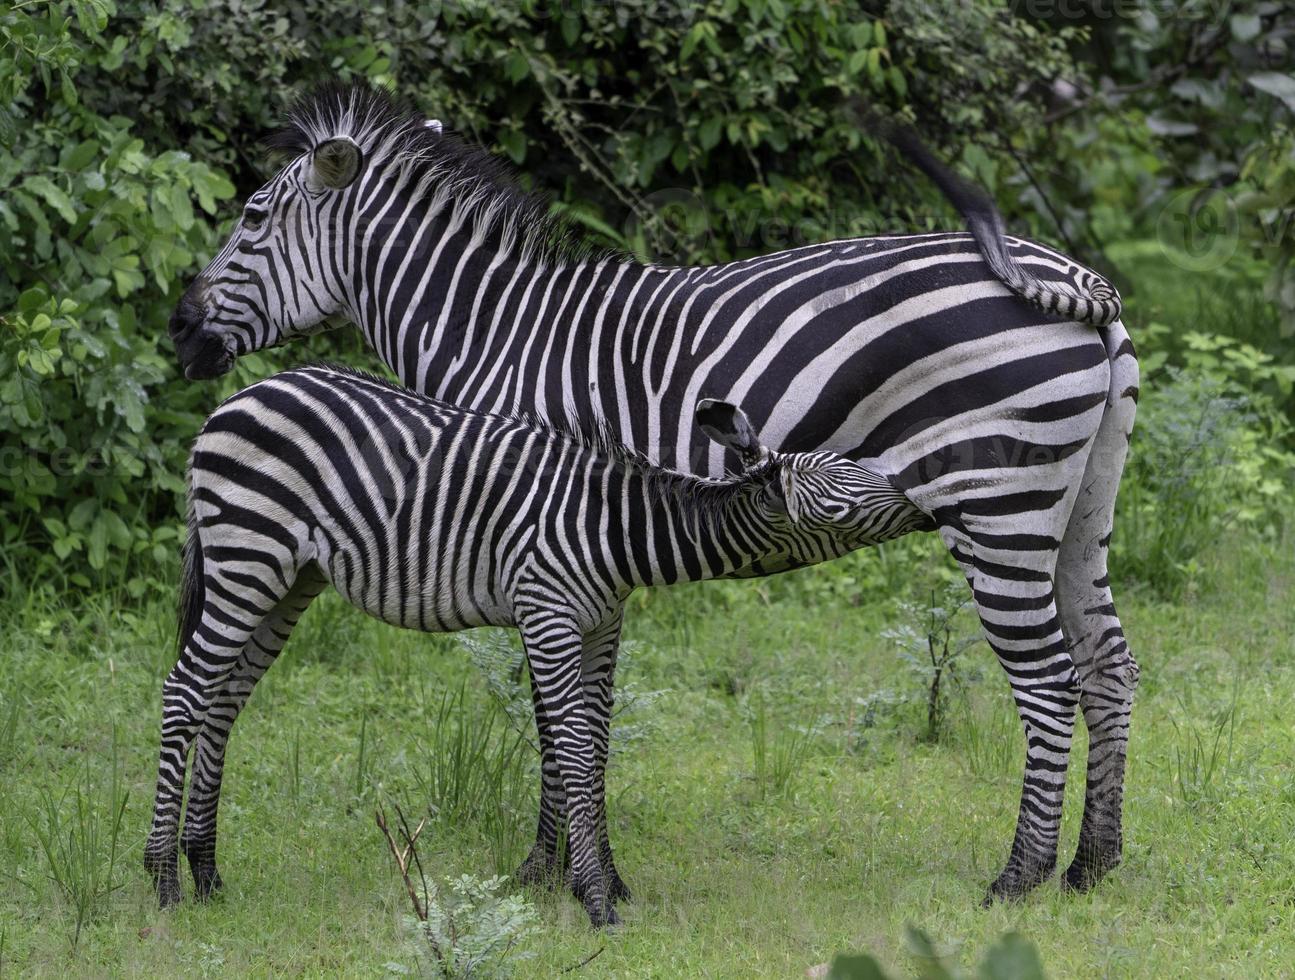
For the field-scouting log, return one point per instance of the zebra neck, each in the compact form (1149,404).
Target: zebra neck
(453,315)
(699,530)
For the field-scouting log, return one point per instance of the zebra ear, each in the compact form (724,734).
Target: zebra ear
(728,425)
(335,163)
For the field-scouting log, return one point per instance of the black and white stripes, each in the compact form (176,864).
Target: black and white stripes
(945,361)
(439,519)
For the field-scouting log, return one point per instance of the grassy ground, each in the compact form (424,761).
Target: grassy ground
(735,875)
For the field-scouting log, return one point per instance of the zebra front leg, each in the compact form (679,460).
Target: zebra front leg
(198,838)
(548,862)
(601,647)
(1015,601)
(553,652)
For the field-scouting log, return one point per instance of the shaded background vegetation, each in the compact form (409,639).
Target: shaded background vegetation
(1151,139)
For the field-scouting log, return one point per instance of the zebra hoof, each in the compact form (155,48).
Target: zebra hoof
(168,893)
(618,891)
(605,917)
(1089,867)
(1018,879)
(206,883)
(540,873)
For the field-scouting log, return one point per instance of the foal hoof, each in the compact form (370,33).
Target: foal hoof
(206,882)
(605,918)
(168,894)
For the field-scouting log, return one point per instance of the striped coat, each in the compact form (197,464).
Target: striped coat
(989,377)
(436,518)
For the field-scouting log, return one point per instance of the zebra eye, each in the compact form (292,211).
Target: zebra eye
(253,218)
(834,511)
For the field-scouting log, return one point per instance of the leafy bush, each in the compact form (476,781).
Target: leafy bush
(1208,460)
(462,927)
(688,132)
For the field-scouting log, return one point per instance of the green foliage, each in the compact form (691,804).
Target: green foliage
(680,132)
(779,755)
(931,640)
(461,927)
(79,833)
(1209,458)
(1013,957)
(472,930)
(95,230)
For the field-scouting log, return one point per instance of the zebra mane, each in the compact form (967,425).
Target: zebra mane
(441,166)
(701,500)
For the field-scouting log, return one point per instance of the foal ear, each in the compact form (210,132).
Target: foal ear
(335,163)
(728,425)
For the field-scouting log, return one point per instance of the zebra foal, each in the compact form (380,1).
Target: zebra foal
(438,518)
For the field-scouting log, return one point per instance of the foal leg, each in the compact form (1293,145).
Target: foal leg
(601,646)
(553,651)
(547,863)
(229,617)
(198,838)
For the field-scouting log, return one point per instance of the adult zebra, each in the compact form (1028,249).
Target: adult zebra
(990,377)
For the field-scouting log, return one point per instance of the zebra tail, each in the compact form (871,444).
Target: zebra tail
(192,592)
(1091,300)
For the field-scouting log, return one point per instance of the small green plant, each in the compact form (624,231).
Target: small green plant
(1013,957)
(777,756)
(931,642)
(8,729)
(989,736)
(462,927)
(1202,759)
(294,766)
(79,833)
(469,757)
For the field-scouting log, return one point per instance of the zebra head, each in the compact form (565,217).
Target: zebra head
(818,505)
(288,268)
(276,276)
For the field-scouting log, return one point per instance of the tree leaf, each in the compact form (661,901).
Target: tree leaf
(1276,84)
(53,195)
(1012,958)
(1245,27)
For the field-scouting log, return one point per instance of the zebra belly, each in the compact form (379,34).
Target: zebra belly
(415,594)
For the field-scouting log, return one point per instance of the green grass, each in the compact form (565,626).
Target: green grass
(765,818)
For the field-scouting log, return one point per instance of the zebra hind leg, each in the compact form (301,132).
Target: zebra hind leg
(1108,674)
(207,658)
(1013,592)
(198,838)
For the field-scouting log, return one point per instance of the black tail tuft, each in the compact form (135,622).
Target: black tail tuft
(192,592)
(1092,300)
